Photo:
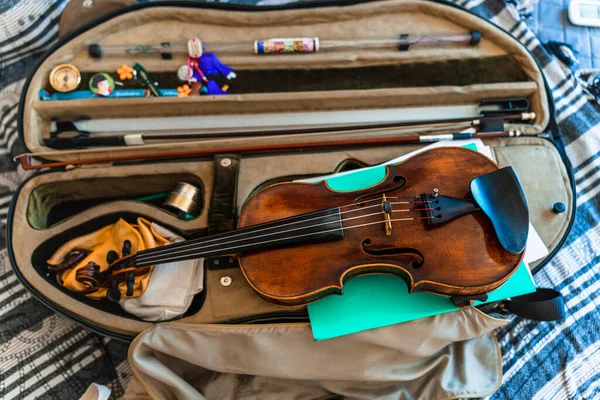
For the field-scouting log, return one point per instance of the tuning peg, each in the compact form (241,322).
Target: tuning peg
(113,294)
(112,256)
(130,280)
(126,248)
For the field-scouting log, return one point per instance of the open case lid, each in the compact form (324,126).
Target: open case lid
(172,21)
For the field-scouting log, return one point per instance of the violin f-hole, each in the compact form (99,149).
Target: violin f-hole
(413,257)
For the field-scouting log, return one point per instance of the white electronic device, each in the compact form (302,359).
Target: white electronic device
(585,12)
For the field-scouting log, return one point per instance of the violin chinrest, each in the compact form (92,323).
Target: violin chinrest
(500,196)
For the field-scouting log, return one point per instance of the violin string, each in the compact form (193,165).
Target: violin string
(357,203)
(260,236)
(143,257)
(151,257)
(185,246)
(237,235)
(368,201)
(158,260)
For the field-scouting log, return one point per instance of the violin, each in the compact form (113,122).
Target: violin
(448,221)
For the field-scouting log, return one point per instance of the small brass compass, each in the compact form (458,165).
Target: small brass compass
(65,78)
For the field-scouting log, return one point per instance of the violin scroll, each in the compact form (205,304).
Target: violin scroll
(121,269)
(90,277)
(71,260)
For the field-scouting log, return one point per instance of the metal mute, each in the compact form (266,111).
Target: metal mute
(185,198)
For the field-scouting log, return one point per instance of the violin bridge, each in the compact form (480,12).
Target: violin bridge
(386,207)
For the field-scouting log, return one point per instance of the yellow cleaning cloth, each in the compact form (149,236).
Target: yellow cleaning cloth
(99,243)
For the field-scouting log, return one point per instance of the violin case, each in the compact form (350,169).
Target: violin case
(231,343)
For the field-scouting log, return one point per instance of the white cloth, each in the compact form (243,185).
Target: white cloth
(96,392)
(171,288)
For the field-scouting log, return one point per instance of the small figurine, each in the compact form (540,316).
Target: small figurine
(207,68)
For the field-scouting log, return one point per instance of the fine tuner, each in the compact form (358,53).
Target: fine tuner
(448,221)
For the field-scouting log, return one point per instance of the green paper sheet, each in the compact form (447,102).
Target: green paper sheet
(373,301)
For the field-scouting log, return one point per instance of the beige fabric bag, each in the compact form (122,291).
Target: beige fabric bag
(452,355)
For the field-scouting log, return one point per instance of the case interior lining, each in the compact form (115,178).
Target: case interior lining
(42,252)
(460,72)
(545,181)
(273,103)
(543,187)
(44,199)
(373,19)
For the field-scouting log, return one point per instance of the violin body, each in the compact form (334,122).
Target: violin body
(460,257)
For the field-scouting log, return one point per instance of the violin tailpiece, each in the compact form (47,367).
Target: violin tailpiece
(499,195)
(446,208)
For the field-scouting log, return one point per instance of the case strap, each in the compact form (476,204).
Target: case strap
(541,305)
(221,213)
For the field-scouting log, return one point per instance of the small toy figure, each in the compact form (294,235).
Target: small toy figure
(207,68)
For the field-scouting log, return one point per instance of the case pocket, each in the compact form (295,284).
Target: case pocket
(280,102)
(91,221)
(454,72)
(187,360)
(53,202)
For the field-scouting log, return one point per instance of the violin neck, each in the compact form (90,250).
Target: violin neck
(316,226)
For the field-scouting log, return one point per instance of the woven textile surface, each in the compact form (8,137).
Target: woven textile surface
(43,355)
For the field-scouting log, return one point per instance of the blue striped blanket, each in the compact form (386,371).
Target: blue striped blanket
(43,355)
